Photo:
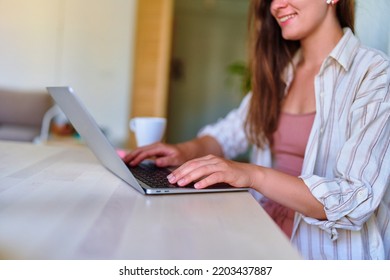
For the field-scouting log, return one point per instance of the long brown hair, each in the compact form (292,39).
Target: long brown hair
(269,56)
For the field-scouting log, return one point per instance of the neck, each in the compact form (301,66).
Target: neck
(318,45)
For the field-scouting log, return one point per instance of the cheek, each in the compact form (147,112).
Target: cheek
(272,9)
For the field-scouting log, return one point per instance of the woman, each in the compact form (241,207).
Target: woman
(318,120)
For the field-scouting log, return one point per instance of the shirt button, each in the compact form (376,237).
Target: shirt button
(361,193)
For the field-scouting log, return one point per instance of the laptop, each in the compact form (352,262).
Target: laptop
(146,178)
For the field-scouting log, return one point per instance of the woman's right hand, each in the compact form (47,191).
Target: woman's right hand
(163,154)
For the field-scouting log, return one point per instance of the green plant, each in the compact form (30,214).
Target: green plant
(241,70)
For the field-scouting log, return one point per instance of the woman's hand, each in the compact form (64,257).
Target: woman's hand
(163,154)
(287,190)
(174,155)
(209,170)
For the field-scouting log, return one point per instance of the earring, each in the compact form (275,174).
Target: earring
(330,2)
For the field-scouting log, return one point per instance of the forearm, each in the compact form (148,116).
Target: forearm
(287,190)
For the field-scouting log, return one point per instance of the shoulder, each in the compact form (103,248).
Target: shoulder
(372,58)
(357,58)
(369,67)
(365,71)
(372,66)
(371,70)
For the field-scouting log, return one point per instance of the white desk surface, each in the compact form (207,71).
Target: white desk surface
(60,203)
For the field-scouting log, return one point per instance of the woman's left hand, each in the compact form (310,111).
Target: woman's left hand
(209,170)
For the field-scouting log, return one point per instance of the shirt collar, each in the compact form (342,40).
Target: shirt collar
(346,48)
(343,53)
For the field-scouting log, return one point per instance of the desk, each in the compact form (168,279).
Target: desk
(60,203)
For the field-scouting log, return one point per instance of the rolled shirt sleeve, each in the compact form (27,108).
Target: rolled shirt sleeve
(230,131)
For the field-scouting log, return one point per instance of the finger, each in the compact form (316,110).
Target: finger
(130,156)
(182,170)
(197,162)
(167,161)
(210,180)
(192,171)
(204,176)
(159,151)
(136,156)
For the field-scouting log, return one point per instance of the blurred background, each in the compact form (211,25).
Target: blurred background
(181,59)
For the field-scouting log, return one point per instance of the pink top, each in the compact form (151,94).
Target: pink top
(290,142)
(288,151)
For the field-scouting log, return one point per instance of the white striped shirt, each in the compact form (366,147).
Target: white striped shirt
(347,158)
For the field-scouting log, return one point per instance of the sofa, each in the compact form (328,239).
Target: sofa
(21,113)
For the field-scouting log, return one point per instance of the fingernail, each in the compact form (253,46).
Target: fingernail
(170,178)
(181,182)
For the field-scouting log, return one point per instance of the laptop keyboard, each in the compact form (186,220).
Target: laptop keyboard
(153,176)
(156,177)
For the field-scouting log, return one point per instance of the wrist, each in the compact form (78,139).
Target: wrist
(199,147)
(188,150)
(257,177)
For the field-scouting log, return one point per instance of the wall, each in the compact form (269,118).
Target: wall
(86,44)
(372,24)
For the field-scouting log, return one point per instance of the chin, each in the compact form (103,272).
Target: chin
(290,36)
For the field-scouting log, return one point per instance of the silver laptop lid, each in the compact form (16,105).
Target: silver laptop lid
(87,127)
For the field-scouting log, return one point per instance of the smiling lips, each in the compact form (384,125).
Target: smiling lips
(286,18)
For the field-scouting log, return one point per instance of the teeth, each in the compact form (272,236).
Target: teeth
(286,18)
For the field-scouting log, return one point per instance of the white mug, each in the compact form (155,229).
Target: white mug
(147,130)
